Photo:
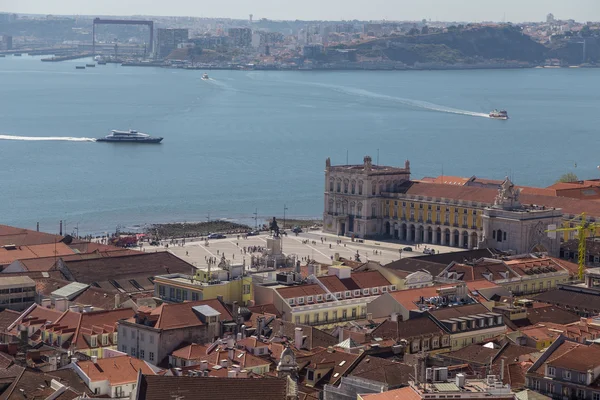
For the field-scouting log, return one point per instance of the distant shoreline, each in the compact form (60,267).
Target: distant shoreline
(357,68)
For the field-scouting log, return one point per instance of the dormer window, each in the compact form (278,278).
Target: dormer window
(490,321)
(309,299)
(393,288)
(482,322)
(300,300)
(348,294)
(319,297)
(499,319)
(473,324)
(338,295)
(291,302)
(357,292)
(384,289)
(375,290)
(453,327)
(93,341)
(104,340)
(463,326)
(328,297)
(366,292)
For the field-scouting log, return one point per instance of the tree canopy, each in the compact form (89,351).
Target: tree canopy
(568,177)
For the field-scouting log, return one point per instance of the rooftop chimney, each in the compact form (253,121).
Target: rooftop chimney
(224,363)
(298,338)
(460,380)
(95,359)
(203,365)
(502,370)
(231,374)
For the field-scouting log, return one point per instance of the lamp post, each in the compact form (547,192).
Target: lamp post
(284,210)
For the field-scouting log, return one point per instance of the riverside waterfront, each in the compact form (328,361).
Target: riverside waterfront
(258,140)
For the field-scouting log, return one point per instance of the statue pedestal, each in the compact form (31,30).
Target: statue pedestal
(274,245)
(274,257)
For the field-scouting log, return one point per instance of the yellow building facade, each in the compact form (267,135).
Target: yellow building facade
(179,288)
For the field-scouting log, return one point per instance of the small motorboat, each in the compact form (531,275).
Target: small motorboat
(499,114)
(205,77)
(80,67)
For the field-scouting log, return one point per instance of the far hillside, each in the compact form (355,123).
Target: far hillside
(466,45)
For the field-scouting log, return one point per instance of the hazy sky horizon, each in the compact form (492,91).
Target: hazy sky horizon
(437,10)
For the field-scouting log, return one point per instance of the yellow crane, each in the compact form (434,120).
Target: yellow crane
(583,230)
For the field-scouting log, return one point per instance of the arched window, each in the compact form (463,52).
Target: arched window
(331,185)
(337,207)
(352,207)
(330,206)
(499,235)
(373,188)
(373,210)
(353,187)
(360,187)
(388,186)
(359,208)
(380,187)
(345,185)
(339,185)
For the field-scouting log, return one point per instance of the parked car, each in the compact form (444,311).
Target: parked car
(253,233)
(297,229)
(407,249)
(428,251)
(216,236)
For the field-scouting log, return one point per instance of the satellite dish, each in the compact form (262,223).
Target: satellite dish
(68,239)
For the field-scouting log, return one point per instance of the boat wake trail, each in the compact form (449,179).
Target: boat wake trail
(46,139)
(409,102)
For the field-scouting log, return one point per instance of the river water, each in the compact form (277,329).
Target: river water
(244,141)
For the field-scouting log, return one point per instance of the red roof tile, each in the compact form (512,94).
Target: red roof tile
(115,370)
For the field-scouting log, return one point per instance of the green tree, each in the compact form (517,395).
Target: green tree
(568,177)
(425,30)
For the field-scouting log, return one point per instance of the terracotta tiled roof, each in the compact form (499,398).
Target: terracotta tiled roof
(416,327)
(564,348)
(536,265)
(474,353)
(25,237)
(115,370)
(36,385)
(487,195)
(191,352)
(460,311)
(581,358)
(300,291)
(179,315)
(340,363)
(368,279)
(33,251)
(333,283)
(7,317)
(200,388)
(571,300)
(265,309)
(124,268)
(377,369)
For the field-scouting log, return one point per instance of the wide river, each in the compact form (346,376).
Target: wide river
(243,141)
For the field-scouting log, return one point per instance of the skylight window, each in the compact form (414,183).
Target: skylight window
(342,363)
